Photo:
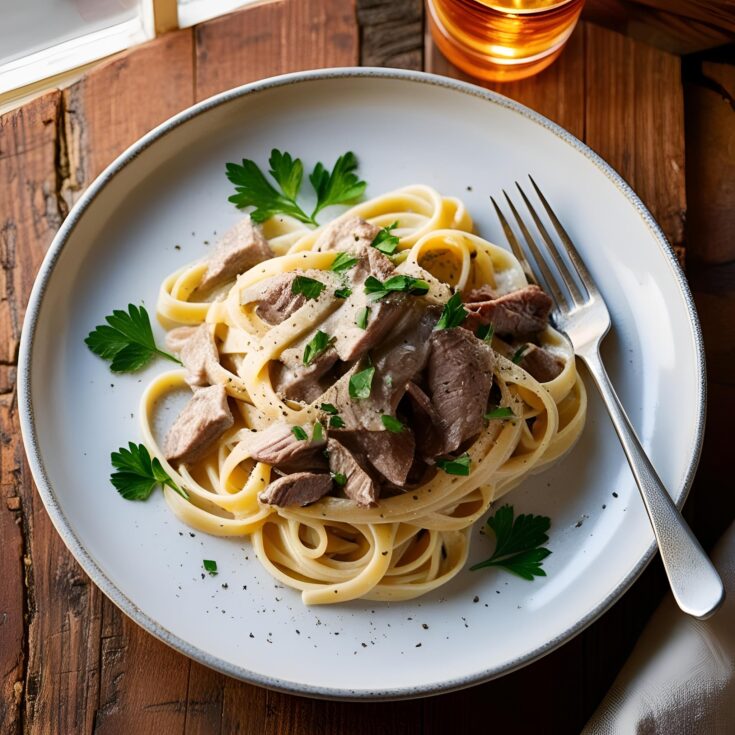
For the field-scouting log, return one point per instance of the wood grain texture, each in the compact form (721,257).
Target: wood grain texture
(274,38)
(391,33)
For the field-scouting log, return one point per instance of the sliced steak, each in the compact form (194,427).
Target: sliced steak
(240,248)
(347,234)
(277,302)
(390,454)
(200,357)
(541,364)
(359,486)
(459,378)
(362,413)
(176,338)
(299,382)
(518,314)
(279,446)
(204,419)
(484,293)
(426,423)
(300,488)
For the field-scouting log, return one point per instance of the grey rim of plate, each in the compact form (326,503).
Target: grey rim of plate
(44,484)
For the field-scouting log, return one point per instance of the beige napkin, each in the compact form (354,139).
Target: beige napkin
(680,677)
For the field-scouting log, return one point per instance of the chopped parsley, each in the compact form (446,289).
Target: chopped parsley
(519,544)
(127,340)
(328,408)
(385,241)
(343,262)
(335,422)
(485,332)
(392,424)
(252,188)
(299,433)
(362,317)
(455,465)
(343,293)
(136,474)
(318,433)
(210,566)
(501,412)
(377,290)
(309,287)
(519,353)
(315,346)
(361,383)
(453,313)
(339,478)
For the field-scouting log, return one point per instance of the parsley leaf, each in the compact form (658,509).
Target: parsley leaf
(343,293)
(126,339)
(485,332)
(501,412)
(309,287)
(341,186)
(328,408)
(336,422)
(343,262)
(210,566)
(339,478)
(315,346)
(137,474)
(406,284)
(361,383)
(299,433)
(386,242)
(392,424)
(455,465)
(362,317)
(254,190)
(519,353)
(519,543)
(453,313)
(317,433)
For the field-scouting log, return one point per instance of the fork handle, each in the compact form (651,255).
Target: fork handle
(694,581)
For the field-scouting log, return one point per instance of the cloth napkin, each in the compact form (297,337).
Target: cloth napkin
(680,677)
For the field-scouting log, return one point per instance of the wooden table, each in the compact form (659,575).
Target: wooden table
(70,662)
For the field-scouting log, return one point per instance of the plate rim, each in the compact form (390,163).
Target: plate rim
(89,565)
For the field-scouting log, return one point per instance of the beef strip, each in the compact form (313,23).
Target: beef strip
(240,248)
(198,353)
(541,364)
(484,293)
(278,445)
(299,382)
(204,419)
(176,338)
(300,488)
(426,423)
(390,454)
(277,302)
(346,234)
(362,413)
(359,487)
(459,378)
(519,314)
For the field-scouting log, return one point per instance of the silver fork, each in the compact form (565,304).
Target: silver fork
(581,314)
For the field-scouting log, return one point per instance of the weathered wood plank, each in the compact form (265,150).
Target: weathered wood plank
(391,33)
(274,38)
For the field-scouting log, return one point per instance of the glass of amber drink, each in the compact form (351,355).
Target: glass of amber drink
(502,40)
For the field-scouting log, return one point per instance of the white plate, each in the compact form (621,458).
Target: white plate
(169,189)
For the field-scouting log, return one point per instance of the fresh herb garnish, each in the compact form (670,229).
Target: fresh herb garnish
(318,432)
(335,422)
(341,186)
(453,313)
(385,241)
(362,317)
(343,293)
(126,339)
(328,408)
(309,287)
(485,332)
(519,353)
(456,465)
(339,478)
(315,346)
(343,262)
(519,543)
(501,412)
(137,474)
(377,290)
(361,383)
(392,424)
(299,433)
(210,566)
